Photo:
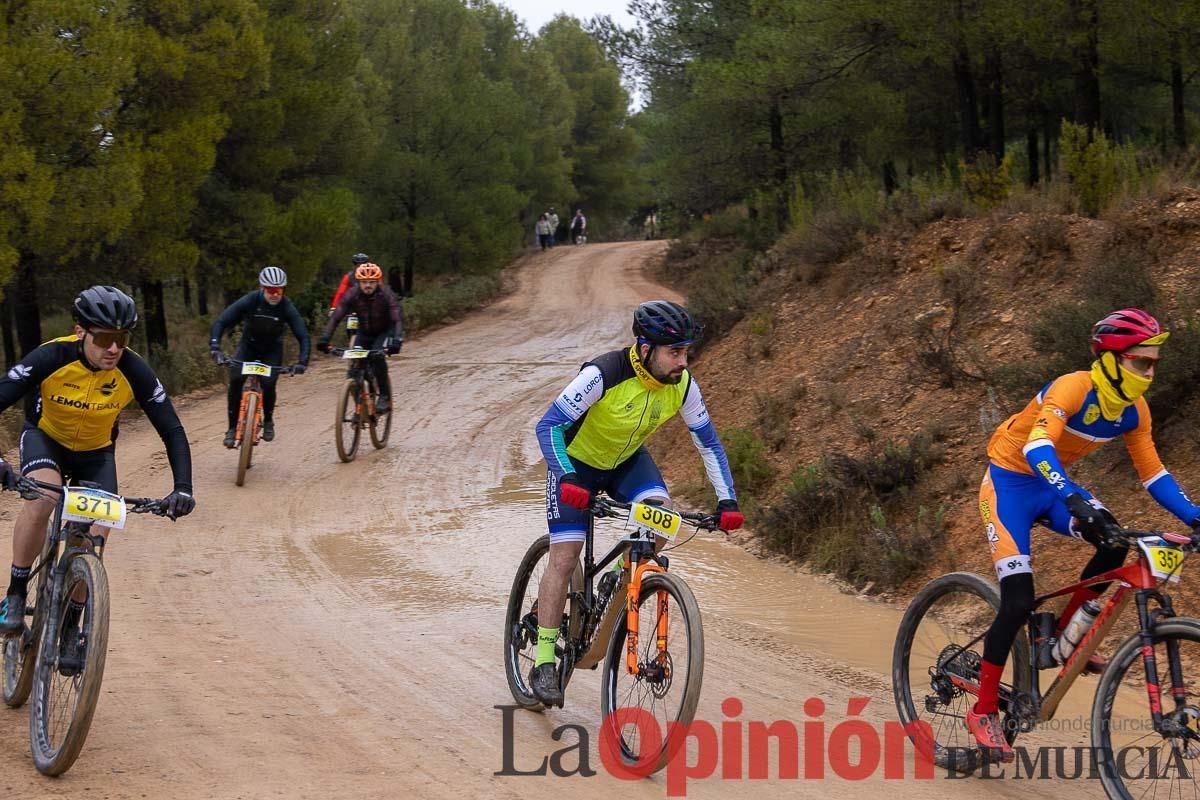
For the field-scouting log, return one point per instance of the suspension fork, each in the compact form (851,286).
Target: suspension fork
(251,387)
(639,569)
(1174,664)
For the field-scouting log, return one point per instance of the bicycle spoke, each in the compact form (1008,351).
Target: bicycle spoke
(1149,763)
(661,689)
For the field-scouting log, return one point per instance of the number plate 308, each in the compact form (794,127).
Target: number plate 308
(661,521)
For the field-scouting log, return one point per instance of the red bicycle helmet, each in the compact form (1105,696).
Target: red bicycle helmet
(1124,329)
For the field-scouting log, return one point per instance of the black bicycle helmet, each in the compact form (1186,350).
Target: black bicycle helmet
(666,323)
(105,307)
(360,258)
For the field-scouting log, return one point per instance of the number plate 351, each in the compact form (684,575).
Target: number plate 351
(94,505)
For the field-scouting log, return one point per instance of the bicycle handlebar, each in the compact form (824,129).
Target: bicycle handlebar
(1188,543)
(32,488)
(226,361)
(337,351)
(608,507)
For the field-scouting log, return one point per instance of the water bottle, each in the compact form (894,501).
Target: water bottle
(604,593)
(1073,634)
(1044,641)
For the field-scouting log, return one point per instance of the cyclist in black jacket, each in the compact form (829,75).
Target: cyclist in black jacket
(380,324)
(263,314)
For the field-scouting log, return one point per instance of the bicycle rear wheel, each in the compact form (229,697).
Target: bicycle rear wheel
(348,425)
(521,626)
(1134,759)
(249,424)
(63,705)
(20,652)
(667,688)
(931,653)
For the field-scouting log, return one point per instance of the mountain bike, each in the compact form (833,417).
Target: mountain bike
(36,660)
(250,412)
(356,405)
(938,652)
(647,632)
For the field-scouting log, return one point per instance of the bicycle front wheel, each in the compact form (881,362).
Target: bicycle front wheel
(20,652)
(934,652)
(1134,759)
(381,424)
(644,715)
(64,697)
(348,425)
(248,430)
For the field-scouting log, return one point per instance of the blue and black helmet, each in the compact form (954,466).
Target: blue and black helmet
(666,323)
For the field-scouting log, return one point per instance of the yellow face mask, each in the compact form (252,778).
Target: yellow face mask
(1132,385)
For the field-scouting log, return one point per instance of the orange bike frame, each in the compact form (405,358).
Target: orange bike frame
(631,616)
(250,387)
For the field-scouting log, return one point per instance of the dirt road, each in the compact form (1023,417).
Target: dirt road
(333,630)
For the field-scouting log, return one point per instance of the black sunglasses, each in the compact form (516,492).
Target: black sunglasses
(106,339)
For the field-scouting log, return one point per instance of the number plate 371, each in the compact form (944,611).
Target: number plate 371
(95,506)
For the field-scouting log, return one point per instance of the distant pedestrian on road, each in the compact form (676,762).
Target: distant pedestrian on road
(552,216)
(544,231)
(579,227)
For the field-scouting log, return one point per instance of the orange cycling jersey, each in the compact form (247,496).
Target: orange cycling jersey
(1066,414)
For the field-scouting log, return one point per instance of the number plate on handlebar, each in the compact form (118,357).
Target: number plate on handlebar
(1165,560)
(93,505)
(255,368)
(656,519)
(356,353)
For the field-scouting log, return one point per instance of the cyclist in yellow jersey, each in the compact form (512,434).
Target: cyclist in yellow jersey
(74,389)
(1026,483)
(592,438)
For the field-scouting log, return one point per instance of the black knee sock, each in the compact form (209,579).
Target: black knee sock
(19,582)
(1016,601)
(1103,560)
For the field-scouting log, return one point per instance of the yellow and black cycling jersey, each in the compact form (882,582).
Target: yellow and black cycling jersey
(78,406)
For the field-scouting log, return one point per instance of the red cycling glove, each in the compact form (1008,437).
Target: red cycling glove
(571,493)
(729,518)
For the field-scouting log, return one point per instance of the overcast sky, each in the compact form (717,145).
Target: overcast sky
(537,13)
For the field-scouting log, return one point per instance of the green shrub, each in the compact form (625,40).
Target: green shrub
(747,459)
(446,303)
(843,514)
(719,292)
(986,182)
(1096,167)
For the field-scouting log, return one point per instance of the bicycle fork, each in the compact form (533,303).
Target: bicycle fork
(660,665)
(242,421)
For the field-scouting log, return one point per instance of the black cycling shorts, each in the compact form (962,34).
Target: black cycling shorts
(40,451)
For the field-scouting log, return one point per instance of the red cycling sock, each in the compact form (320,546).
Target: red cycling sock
(989,688)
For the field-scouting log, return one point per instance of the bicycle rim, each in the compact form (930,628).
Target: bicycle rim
(63,705)
(247,445)
(668,689)
(20,652)
(943,618)
(1133,759)
(347,426)
(521,624)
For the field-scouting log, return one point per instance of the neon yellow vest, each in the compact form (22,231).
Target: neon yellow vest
(634,406)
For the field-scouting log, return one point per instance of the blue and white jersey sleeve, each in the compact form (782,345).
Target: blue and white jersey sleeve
(571,404)
(704,436)
(1166,490)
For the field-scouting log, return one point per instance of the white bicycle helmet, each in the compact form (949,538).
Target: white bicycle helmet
(272,276)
